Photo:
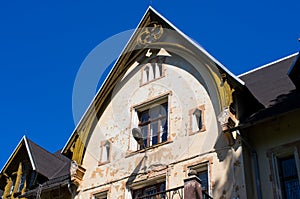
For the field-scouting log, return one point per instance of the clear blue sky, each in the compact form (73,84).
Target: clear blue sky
(42,45)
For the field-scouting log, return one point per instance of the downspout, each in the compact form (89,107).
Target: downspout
(255,162)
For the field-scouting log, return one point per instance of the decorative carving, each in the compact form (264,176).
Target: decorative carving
(228,122)
(150,34)
(76,173)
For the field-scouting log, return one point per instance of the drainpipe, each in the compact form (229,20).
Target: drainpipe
(255,162)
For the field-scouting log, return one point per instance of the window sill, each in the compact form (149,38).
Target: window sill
(196,132)
(130,153)
(103,163)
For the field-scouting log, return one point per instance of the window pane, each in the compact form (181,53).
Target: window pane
(203,176)
(289,178)
(154,132)
(153,124)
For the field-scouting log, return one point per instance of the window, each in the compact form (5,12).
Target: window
(203,174)
(149,192)
(22,182)
(286,173)
(197,120)
(152,70)
(288,177)
(153,122)
(105,152)
(102,195)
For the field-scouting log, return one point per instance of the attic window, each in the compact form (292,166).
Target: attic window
(152,70)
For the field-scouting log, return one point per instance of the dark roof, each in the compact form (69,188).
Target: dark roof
(48,164)
(272,87)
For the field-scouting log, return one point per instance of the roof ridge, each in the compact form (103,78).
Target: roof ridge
(40,147)
(268,64)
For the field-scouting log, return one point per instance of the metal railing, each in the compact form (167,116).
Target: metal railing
(175,193)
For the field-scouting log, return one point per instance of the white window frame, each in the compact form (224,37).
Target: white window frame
(105,152)
(161,99)
(203,166)
(275,156)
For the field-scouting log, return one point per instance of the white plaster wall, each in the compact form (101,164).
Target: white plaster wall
(185,93)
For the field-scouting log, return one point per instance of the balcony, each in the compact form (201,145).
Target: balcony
(190,190)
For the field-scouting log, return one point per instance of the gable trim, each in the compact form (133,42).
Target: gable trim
(29,154)
(269,64)
(15,152)
(198,47)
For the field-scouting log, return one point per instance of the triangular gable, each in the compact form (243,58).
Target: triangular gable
(76,143)
(23,142)
(41,161)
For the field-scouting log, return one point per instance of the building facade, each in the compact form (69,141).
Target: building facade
(167,109)
(170,121)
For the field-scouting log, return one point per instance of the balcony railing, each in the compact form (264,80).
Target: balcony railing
(175,193)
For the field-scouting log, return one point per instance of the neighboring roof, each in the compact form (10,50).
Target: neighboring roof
(42,161)
(272,87)
(114,74)
(47,164)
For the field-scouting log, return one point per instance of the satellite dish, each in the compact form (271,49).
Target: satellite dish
(138,136)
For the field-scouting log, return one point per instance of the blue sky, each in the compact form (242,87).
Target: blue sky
(42,45)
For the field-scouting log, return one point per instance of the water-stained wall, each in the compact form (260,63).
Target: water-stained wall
(185,87)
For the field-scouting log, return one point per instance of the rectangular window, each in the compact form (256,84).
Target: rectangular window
(197,120)
(150,192)
(286,170)
(203,174)
(153,123)
(102,195)
(22,182)
(105,152)
(288,176)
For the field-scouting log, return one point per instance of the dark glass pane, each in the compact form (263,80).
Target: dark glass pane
(164,109)
(164,135)
(144,130)
(144,116)
(154,130)
(154,112)
(289,178)
(203,176)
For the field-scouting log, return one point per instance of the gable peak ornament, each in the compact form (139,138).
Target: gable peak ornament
(150,34)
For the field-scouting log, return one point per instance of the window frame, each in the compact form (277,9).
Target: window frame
(192,116)
(99,195)
(144,106)
(156,184)
(102,146)
(281,153)
(154,64)
(200,167)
